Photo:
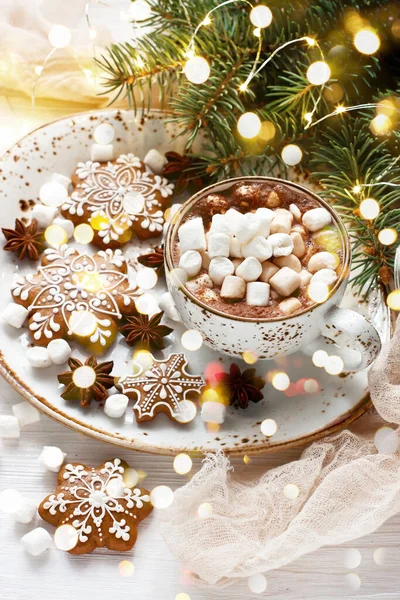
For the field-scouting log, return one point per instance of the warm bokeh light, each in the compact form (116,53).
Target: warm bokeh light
(386,440)
(333,93)
(318,73)
(352,558)
(369,209)
(182,464)
(83,233)
(366,41)
(84,377)
(281,381)
(99,221)
(381,125)
(130,477)
(59,36)
(291,155)
(126,568)
(146,279)
(146,304)
(249,125)
(334,365)
(161,496)
(269,427)
(55,236)
(53,194)
(205,510)
(249,357)
(104,133)
(311,386)
(82,323)
(192,340)
(261,16)
(197,70)
(257,583)
(387,237)
(65,537)
(291,491)
(187,411)
(393,300)
(182,596)
(9,500)
(318,291)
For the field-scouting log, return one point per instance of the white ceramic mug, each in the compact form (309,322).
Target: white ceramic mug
(347,333)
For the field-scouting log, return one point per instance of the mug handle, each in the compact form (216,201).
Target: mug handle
(356,339)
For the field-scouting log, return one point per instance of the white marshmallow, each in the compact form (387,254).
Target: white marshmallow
(36,541)
(257,293)
(219,224)
(282,244)
(38,357)
(237,262)
(316,218)
(102,152)
(213,412)
(268,269)
(44,215)
(167,305)
(305,277)
(290,261)
(203,281)
(191,235)
(250,269)
(116,405)
(65,224)
(250,230)
(24,511)
(52,458)
(9,427)
(259,247)
(233,288)
(220,267)
(205,259)
(62,179)
(14,315)
(294,209)
(299,247)
(235,248)
(155,160)
(264,217)
(59,351)
(218,245)
(235,220)
(297,228)
(285,281)
(191,261)
(322,260)
(282,221)
(25,413)
(290,306)
(328,276)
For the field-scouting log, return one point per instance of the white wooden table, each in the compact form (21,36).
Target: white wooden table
(56,575)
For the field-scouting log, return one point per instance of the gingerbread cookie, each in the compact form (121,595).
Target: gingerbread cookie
(117,199)
(98,504)
(161,389)
(77,296)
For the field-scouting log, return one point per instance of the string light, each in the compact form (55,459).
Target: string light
(369,209)
(249,125)
(206,21)
(261,16)
(318,73)
(197,70)
(59,36)
(381,124)
(257,32)
(366,41)
(387,237)
(291,155)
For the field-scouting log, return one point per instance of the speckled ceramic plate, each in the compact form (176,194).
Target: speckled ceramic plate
(58,147)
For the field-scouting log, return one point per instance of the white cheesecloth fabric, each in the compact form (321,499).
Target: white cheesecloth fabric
(347,489)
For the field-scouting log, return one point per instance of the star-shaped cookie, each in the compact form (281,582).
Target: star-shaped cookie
(98,504)
(161,389)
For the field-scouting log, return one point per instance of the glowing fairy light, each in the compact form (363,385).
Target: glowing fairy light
(53,194)
(249,125)
(369,209)
(267,131)
(308,117)
(281,381)
(66,537)
(356,189)
(257,584)
(291,491)
(146,279)
(38,69)
(59,36)
(205,510)
(197,70)
(206,21)
(84,377)
(257,32)
(187,411)
(366,41)
(130,477)
(393,300)
(182,596)
(82,323)
(92,33)
(387,237)
(126,568)
(261,16)
(83,233)
(328,239)
(146,304)
(10,500)
(340,109)
(269,427)
(140,10)
(192,340)
(381,125)
(318,291)
(161,496)
(291,155)
(115,488)
(386,440)
(246,459)
(249,357)
(352,558)
(91,282)
(334,365)
(182,464)
(318,73)
(55,236)
(310,41)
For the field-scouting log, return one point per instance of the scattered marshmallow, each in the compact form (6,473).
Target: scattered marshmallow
(257,293)
(59,351)
(297,228)
(9,427)
(259,247)
(191,235)
(65,224)
(167,305)
(233,288)
(155,160)
(203,281)
(268,269)
(294,209)
(213,412)
(219,224)
(14,315)
(25,413)
(191,261)
(285,281)
(62,179)
(44,215)
(290,261)
(305,277)
(282,221)
(102,152)
(220,267)
(38,357)
(235,248)
(116,405)
(327,276)
(250,269)
(218,245)
(316,219)
(24,511)
(235,220)
(299,247)
(282,244)
(52,458)
(322,260)
(290,306)
(36,541)
(250,229)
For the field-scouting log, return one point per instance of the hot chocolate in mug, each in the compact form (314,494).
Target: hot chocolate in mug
(321,326)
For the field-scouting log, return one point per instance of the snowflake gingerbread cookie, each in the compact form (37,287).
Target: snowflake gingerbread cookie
(118,198)
(77,296)
(98,505)
(163,389)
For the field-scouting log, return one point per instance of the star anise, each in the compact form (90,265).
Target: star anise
(97,390)
(24,239)
(144,332)
(241,388)
(154,259)
(179,169)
